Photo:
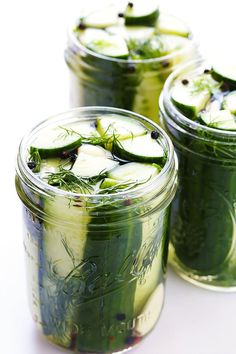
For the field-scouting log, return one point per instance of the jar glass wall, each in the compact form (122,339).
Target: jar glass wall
(203,214)
(96,264)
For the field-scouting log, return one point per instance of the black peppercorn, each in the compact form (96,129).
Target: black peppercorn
(154,134)
(130,4)
(120,317)
(207,71)
(129,340)
(31,165)
(185,82)
(165,63)
(73,157)
(81,26)
(120,14)
(130,69)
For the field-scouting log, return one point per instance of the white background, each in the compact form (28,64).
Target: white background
(34,85)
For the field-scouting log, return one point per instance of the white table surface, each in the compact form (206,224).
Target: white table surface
(34,85)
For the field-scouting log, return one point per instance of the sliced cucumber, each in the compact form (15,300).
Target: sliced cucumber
(189,101)
(85,129)
(49,166)
(132,32)
(134,171)
(226,73)
(102,18)
(139,12)
(110,185)
(61,255)
(221,120)
(229,102)
(123,128)
(108,182)
(51,142)
(92,161)
(104,43)
(151,311)
(169,24)
(142,149)
(152,47)
(172,43)
(111,249)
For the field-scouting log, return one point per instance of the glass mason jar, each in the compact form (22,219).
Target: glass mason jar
(98,80)
(203,213)
(96,264)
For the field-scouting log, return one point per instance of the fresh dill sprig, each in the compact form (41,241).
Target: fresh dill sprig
(67,180)
(34,156)
(121,186)
(146,48)
(93,140)
(98,178)
(68,250)
(204,83)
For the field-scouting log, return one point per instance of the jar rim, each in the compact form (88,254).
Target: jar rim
(74,40)
(165,102)
(40,186)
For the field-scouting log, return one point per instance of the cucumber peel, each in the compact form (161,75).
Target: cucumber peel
(188,103)
(52,141)
(191,95)
(222,119)
(225,73)
(142,149)
(141,13)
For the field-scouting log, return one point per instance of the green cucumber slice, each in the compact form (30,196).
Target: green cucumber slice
(143,13)
(123,128)
(152,310)
(85,129)
(61,253)
(226,73)
(110,252)
(172,43)
(192,94)
(109,185)
(50,165)
(187,102)
(221,120)
(229,102)
(102,18)
(92,161)
(169,24)
(52,141)
(133,171)
(132,32)
(108,182)
(142,149)
(104,43)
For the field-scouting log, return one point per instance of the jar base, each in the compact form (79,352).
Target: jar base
(217,283)
(49,340)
